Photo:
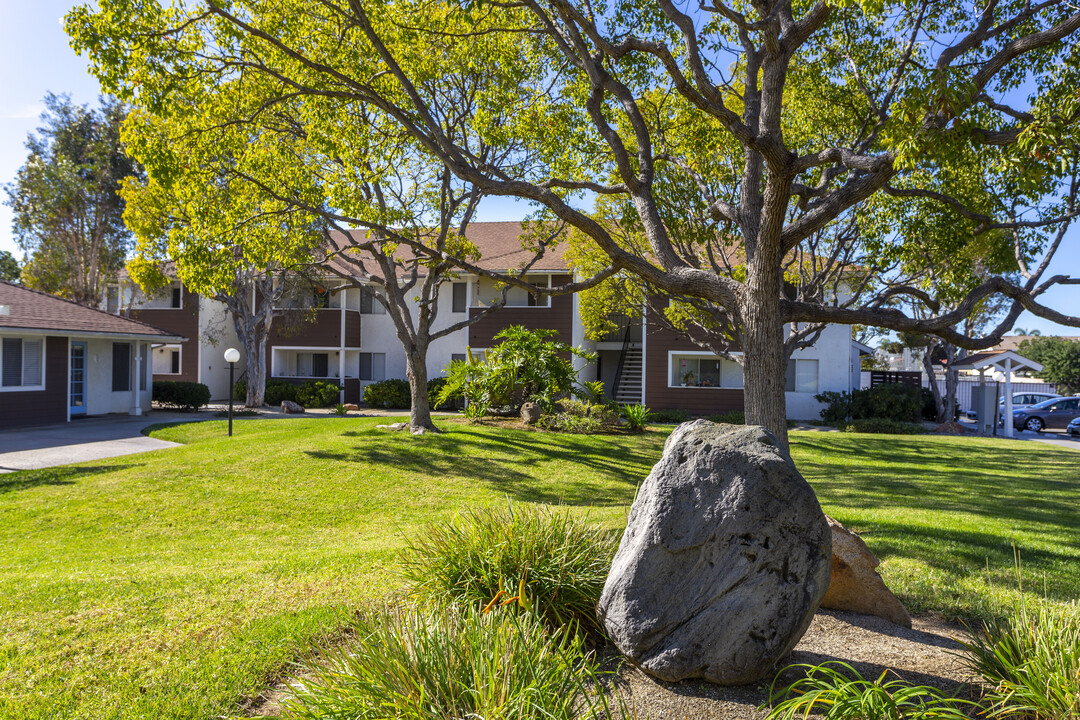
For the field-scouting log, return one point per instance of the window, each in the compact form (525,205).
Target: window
(112,299)
(460,291)
(457,357)
(693,370)
(372,366)
(369,305)
(312,364)
(174,362)
(144,353)
(121,367)
(177,298)
(320,298)
(802,376)
(22,363)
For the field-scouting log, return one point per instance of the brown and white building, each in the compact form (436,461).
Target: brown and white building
(350,340)
(60,360)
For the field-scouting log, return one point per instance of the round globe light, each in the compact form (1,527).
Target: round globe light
(998,376)
(232,355)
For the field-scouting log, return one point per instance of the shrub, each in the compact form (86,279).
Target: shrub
(278,391)
(340,409)
(732,417)
(636,416)
(187,396)
(836,691)
(669,417)
(575,416)
(239,390)
(390,394)
(526,365)
(318,393)
(1031,659)
(883,426)
(888,400)
(413,664)
(434,389)
(557,561)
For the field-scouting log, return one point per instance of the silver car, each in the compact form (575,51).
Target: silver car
(1023,400)
(1055,414)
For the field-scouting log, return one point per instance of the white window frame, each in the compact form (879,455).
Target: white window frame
(169,348)
(360,365)
(44,348)
(331,365)
(817,376)
(699,354)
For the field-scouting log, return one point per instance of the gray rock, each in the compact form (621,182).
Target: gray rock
(724,560)
(855,584)
(290,408)
(530,413)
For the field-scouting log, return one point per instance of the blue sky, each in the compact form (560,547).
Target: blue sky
(35,59)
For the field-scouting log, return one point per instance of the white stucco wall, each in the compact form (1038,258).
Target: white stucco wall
(100,398)
(833,353)
(217,333)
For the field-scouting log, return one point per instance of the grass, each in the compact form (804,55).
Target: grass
(179,583)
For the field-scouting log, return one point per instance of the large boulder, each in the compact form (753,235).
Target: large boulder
(723,562)
(290,408)
(855,584)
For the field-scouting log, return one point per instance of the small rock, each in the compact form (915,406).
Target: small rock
(530,413)
(723,562)
(351,407)
(290,408)
(392,426)
(855,584)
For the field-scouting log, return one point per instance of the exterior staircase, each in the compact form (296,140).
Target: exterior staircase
(629,377)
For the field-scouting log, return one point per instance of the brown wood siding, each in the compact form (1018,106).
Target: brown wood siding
(323,331)
(20,409)
(558,317)
(658,396)
(352,329)
(181,321)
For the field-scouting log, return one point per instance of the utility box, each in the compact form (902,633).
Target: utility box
(984,402)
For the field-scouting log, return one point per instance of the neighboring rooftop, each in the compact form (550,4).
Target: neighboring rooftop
(34,310)
(1012,342)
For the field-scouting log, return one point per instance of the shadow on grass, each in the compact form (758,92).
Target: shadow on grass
(526,466)
(26,479)
(1003,498)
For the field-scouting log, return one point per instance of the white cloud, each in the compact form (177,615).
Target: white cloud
(24,112)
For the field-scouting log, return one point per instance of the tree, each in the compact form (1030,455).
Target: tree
(1060,359)
(9,267)
(66,200)
(776,130)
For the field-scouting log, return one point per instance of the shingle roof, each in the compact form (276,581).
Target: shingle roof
(500,245)
(33,310)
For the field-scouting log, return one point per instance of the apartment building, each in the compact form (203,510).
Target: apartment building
(347,338)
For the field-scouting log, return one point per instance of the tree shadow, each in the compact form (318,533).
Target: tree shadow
(64,475)
(498,459)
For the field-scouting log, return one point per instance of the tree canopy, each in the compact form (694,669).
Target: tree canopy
(68,212)
(9,266)
(744,143)
(1060,358)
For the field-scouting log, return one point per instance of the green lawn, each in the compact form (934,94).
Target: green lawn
(177,583)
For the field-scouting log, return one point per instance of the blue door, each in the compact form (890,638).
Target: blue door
(77,392)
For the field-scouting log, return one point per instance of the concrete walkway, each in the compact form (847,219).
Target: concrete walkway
(83,439)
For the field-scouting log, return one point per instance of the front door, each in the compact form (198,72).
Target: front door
(77,391)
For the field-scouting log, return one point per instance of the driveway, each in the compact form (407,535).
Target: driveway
(84,439)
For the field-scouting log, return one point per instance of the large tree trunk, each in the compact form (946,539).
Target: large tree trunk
(416,370)
(256,373)
(764,357)
(952,380)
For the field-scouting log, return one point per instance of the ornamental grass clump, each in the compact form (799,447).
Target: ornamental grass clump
(548,562)
(1031,660)
(836,691)
(437,663)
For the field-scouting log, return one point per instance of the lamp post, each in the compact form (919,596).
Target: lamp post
(232,356)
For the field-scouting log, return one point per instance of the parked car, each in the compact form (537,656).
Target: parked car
(1055,414)
(1074,427)
(1023,400)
